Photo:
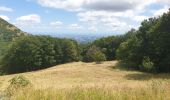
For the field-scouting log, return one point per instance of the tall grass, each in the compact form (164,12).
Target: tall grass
(154,92)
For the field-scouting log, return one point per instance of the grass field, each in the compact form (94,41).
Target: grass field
(90,81)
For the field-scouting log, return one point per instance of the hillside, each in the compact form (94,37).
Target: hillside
(104,81)
(88,75)
(8,33)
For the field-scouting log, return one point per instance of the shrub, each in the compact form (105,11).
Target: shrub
(147,64)
(98,57)
(20,81)
(17,83)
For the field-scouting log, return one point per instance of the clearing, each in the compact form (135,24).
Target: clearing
(88,75)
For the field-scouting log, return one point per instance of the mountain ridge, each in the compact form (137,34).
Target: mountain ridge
(8,33)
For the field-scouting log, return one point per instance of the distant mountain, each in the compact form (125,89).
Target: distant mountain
(81,38)
(8,33)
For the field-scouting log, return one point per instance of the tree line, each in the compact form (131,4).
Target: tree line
(37,52)
(149,48)
(146,49)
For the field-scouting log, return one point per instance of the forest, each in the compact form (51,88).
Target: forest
(146,49)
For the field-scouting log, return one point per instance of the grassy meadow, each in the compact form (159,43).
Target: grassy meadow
(89,81)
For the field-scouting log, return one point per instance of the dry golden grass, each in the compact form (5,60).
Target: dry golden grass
(90,75)
(94,93)
(87,74)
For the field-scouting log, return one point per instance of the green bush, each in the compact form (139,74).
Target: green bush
(18,83)
(147,64)
(98,57)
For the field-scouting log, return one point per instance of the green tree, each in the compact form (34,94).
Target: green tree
(152,41)
(129,50)
(47,51)
(94,54)
(70,51)
(159,43)
(38,52)
(23,55)
(98,57)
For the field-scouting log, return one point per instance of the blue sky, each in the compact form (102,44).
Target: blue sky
(80,16)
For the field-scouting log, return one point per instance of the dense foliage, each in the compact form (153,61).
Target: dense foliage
(149,48)
(107,46)
(93,54)
(37,52)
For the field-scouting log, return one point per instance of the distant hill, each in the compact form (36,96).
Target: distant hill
(80,38)
(8,33)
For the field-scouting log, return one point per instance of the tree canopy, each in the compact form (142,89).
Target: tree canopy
(150,44)
(38,52)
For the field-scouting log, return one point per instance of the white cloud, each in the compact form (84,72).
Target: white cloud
(116,26)
(5,9)
(72,5)
(27,19)
(99,5)
(161,11)
(113,5)
(74,26)
(93,29)
(163,2)
(112,15)
(5,17)
(139,18)
(90,16)
(109,19)
(57,23)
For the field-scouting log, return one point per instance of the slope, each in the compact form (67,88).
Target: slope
(88,75)
(8,33)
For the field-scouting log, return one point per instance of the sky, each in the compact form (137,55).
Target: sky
(80,16)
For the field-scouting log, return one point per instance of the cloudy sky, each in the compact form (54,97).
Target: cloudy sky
(80,16)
